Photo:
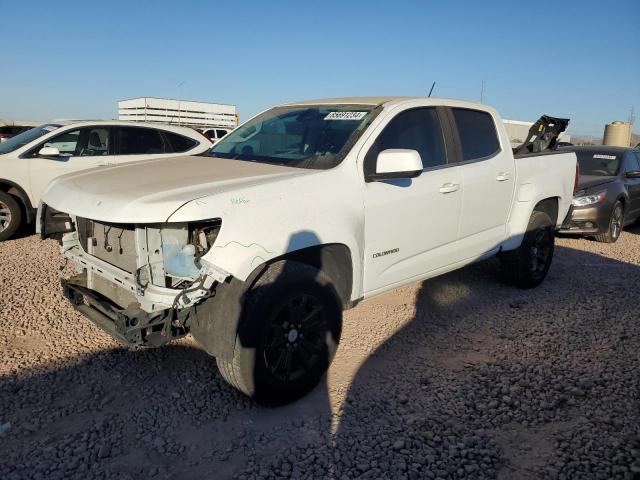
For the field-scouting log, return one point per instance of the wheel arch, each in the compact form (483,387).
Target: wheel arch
(522,213)
(334,259)
(18,192)
(550,206)
(215,320)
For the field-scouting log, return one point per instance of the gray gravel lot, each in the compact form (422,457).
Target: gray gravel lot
(457,377)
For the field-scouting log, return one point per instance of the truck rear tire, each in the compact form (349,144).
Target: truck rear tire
(287,336)
(10,216)
(527,266)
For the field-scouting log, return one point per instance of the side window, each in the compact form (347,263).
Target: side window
(630,162)
(637,154)
(417,129)
(66,143)
(139,141)
(179,143)
(220,133)
(477,133)
(93,142)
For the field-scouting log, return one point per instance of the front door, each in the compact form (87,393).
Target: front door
(411,224)
(80,149)
(631,163)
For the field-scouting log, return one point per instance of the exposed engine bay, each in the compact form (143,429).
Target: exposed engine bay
(137,282)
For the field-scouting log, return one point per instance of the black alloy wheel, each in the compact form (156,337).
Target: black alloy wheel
(294,339)
(540,250)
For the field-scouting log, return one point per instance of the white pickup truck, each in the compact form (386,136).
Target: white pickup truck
(303,211)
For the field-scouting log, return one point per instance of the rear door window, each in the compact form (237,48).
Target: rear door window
(139,141)
(477,133)
(179,143)
(416,129)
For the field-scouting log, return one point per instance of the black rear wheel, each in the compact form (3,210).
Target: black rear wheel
(527,266)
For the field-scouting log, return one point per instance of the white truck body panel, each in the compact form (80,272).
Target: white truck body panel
(396,231)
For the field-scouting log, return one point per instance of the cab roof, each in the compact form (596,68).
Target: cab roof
(385,100)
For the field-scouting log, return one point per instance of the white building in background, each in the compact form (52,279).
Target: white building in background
(518,131)
(200,115)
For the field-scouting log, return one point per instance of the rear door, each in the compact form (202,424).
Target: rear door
(80,149)
(411,225)
(488,179)
(140,143)
(177,143)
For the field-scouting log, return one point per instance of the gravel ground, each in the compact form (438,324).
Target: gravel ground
(457,377)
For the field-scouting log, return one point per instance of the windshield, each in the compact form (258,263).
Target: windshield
(314,137)
(22,139)
(598,163)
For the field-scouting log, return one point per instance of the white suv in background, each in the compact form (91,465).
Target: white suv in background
(215,134)
(30,160)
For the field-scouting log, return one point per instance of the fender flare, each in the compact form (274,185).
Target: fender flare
(518,225)
(18,192)
(214,322)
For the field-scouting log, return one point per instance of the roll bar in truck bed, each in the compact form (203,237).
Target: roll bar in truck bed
(543,135)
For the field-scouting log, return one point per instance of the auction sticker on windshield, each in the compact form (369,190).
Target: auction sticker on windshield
(345,116)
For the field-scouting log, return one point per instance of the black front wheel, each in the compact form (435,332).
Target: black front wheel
(615,225)
(289,332)
(527,266)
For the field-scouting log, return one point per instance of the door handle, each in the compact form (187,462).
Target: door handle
(502,176)
(449,187)
(105,164)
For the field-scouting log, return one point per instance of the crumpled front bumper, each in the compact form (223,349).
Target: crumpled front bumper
(151,298)
(132,327)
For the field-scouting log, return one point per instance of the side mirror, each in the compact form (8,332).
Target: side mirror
(49,152)
(633,174)
(397,163)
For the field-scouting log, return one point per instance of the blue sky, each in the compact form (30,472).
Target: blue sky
(68,59)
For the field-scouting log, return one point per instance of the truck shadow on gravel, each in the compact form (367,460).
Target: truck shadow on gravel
(489,381)
(482,381)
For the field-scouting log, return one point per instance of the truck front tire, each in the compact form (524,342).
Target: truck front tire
(287,336)
(10,216)
(527,266)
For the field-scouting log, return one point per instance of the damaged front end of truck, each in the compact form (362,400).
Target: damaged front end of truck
(137,282)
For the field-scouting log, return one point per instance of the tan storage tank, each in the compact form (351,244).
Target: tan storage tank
(617,134)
